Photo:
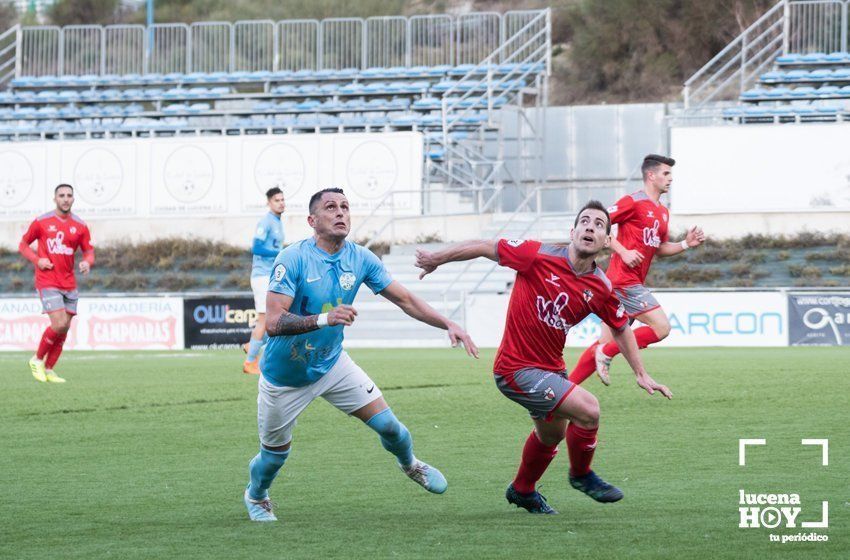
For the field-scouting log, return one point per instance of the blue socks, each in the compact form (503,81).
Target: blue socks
(264,468)
(254,347)
(394,436)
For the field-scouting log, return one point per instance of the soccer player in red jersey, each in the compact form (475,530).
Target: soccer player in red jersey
(556,287)
(642,223)
(59,234)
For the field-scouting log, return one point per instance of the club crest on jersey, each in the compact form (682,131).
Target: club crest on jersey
(550,312)
(73,229)
(588,295)
(279,272)
(549,394)
(620,311)
(347,281)
(650,235)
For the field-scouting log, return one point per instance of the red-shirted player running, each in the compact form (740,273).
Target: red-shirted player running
(555,288)
(59,234)
(642,223)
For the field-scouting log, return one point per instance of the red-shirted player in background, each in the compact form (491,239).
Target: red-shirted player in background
(555,288)
(59,234)
(642,223)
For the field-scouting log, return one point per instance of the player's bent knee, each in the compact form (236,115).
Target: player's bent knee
(387,425)
(279,448)
(662,330)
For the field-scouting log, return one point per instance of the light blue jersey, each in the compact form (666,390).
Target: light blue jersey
(268,241)
(317,282)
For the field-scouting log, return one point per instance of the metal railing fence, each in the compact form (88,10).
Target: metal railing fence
(335,43)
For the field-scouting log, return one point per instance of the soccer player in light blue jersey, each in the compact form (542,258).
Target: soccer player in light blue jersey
(267,243)
(313,284)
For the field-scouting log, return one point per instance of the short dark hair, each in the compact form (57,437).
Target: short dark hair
(652,161)
(273,191)
(595,205)
(317,197)
(60,186)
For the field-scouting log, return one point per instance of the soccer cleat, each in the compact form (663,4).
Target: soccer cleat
(251,368)
(259,510)
(603,364)
(51,376)
(596,488)
(426,476)
(533,503)
(37,369)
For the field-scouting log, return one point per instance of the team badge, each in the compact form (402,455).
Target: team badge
(347,281)
(588,295)
(73,229)
(279,272)
(261,231)
(549,394)
(620,311)
(515,242)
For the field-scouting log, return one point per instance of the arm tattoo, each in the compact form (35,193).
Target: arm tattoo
(289,324)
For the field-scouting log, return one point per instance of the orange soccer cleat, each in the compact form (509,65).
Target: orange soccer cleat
(251,368)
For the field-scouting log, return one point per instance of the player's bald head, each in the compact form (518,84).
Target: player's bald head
(316,199)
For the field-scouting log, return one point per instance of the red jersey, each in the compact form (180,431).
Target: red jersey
(641,226)
(58,240)
(547,300)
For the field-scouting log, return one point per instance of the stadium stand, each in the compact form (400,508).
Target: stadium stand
(791,65)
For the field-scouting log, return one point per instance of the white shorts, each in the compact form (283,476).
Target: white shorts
(260,285)
(346,386)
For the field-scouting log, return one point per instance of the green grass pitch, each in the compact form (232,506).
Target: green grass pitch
(144,455)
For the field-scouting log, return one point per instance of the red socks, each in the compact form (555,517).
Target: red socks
(535,460)
(585,366)
(48,339)
(581,443)
(644,336)
(55,351)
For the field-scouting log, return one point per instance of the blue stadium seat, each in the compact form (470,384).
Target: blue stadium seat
(287,106)
(284,89)
(403,119)
(461,69)
(443,85)
(845,91)
(828,91)
(220,90)
(813,58)
(803,92)
(756,111)
(803,109)
(133,93)
(354,104)
(154,93)
(755,93)
(280,75)
(377,102)
(175,108)
(330,105)
(396,72)
(23,81)
(174,93)
(199,107)
(376,87)
(374,72)
(789,58)
(152,78)
(134,109)
(307,105)
(304,74)
(240,76)
(108,79)
(345,73)
(260,75)
(841,74)
(68,95)
(796,75)
(130,79)
(194,77)
(328,89)
(352,88)
(772,76)
(427,103)
(352,119)
(324,74)
(414,71)
(820,74)
(69,111)
(308,88)
(196,92)
(828,109)
(781,91)
(216,77)
(838,56)
(264,106)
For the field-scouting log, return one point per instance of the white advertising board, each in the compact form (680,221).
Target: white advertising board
(696,319)
(103,176)
(759,168)
(101,324)
(22,194)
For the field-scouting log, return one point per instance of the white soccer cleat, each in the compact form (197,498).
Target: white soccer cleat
(259,510)
(51,377)
(426,476)
(603,364)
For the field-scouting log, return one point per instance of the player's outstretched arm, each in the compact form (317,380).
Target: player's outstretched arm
(429,261)
(279,321)
(625,339)
(417,308)
(693,238)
